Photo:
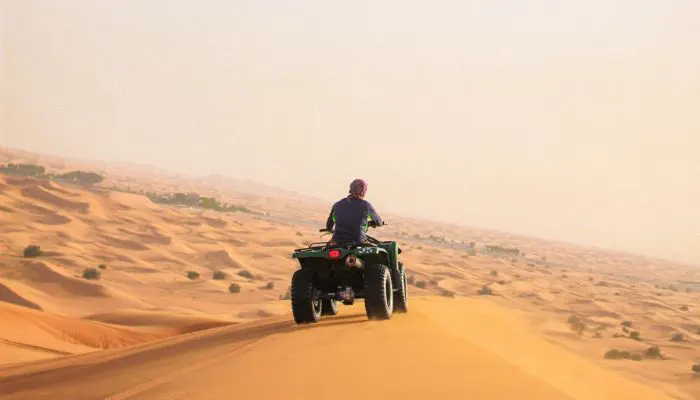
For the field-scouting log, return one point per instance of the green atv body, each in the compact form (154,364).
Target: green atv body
(331,274)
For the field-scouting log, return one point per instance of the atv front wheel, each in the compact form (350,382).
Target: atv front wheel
(401,293)
(329,307)
(306,304)
(379,293)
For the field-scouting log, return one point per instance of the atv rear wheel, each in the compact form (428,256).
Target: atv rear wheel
(329,307)
(401,294)
(306,304)
(379,293)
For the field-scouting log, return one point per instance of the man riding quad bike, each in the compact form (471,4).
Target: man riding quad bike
(352,265)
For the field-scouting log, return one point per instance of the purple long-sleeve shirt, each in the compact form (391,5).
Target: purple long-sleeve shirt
(351,216)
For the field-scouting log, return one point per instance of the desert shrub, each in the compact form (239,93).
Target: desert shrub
(696,368)
(287,295)
(653,352)
(615,354)
(447,293)
(421,284)
(219,275)
(245,274)
(485,291)
(677,337)
(684,308)
(269,286)
(23,169)
(627,324)
(576,324)
(32,251)
(635,335)
(91,273)
(234,288)
(494,273)
(193,275)
(102,266)
(411,280)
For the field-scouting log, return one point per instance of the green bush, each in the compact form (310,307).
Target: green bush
(696,368)
(219,275)
(653,352)
(234,288)
(33,251)
(627,324)
(485,291)
(193,275)
(622,355)
(494,273)
(245,274)
(678,337)
(421,284)
(576,324)
(91,273)
(102,266)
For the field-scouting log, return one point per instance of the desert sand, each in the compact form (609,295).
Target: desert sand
(145,330)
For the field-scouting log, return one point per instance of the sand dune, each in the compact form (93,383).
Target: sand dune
(448,346)
(47,335)
(442,349)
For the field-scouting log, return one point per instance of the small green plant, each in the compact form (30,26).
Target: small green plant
(234,288)
(287,295)
(677,337)
(219,275)
(494,273)
(447,293)
(193,275)
(102,266)
(91,274)
(485,291)
(653,352)
(421,284)
(627,324)
(245,274)
(33,251)
(615,354)
(269,286)
(696,368)
(635,336)
(576,324)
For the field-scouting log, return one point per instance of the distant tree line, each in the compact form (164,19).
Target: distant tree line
(195,200)
(37,171)
(503,250)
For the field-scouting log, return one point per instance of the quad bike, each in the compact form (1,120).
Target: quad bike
(331,273)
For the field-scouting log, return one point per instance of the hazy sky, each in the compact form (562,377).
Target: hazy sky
(571,120)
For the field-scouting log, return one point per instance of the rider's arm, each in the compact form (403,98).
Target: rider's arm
(373,214)
(330,221)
